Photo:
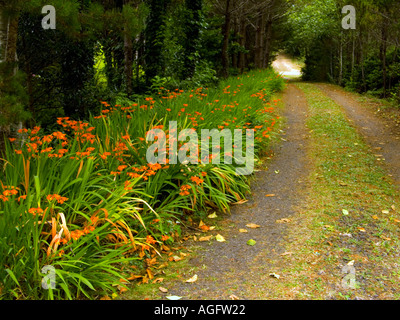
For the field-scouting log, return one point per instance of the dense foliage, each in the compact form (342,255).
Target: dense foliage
(364,59)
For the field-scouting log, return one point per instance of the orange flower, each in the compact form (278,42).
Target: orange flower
(57,197)
(21,197)
(12,139)
(197,180)
(121,167)
(3,198)
(150,240)
(184,190)
(18,151)
(164,237)
(35,211)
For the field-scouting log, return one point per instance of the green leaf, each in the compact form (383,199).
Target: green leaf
(251,242)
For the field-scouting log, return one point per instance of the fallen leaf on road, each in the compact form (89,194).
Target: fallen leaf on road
(361,229)
(251,242)
(270,195)
(286,254)
(385,211)
(162,289)
(173,297)
(284,220)
(204,227)
(385,238)
(252,225)
(220,238)
(277,276)
(205,238)
(345,212)
(233,297)
(158,280)
(393,207)
(375,217)
(243,230)
(201,223)
(192,279)
(396,220)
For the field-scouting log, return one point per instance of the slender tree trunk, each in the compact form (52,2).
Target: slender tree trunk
(267,49)
(383,56)
(3,35)
(258,42)
(340,61)
(12,36)
(242,42)
(225,43)
(128,66)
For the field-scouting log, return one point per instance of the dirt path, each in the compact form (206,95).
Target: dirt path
(381,134)
(233,267)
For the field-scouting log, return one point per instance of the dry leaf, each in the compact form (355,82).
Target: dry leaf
(270,195)
(243,230)
(212,227)
(361,229)
(201,223)
(219,238)
(284,220)
(233,297)
(385,211)
(122,289)
(162,289)
(286,253)
(175,258)
(252,225)
(277,276)
(204,227)
(241,201)
(105,298)
(205,238)
(375,217)
(385,238)
(393,207)
(192,279)
(212,216)
(396,220)
(134,276)
(158,280)
(150,274)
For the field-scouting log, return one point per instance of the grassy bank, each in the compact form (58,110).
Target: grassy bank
(85,201)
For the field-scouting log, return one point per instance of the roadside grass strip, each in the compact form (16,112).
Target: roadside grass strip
(348,231)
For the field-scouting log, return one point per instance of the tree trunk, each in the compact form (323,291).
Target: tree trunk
(225,43)
(242,42)
(258,43)
(383,55)
(267,46)
(128,66)
(3,35)
(11,44)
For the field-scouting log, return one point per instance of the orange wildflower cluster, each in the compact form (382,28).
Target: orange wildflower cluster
(35,211)
(8,191)
(197,180)
(82,130)
(184,190)
(56,197)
